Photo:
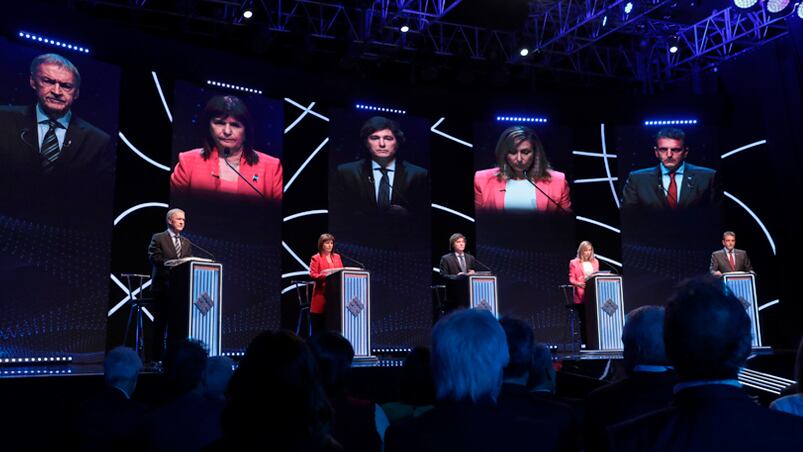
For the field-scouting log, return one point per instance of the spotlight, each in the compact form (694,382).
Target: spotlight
(248,14)
(404,29)
(524,52)
(800,10)
(673,49)
(777,6)
(745,4)
(628,7)
(604,21)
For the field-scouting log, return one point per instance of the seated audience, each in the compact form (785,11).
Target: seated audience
(649,382)
(469,353)
(219,370)
(793,403)
(416,388)
(110,419)
(707,338)
(359,425)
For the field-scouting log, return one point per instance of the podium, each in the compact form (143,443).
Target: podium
(473,291)
(196,301)
(604,312)
(348,308)
(743,285)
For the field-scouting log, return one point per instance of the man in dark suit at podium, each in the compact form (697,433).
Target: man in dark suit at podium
(729,259)
(165,246)
(458,262)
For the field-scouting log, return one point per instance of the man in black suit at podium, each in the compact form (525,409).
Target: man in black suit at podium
(458,262)
(729,259)
(165,246)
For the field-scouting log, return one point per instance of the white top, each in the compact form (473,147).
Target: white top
(587,268)
(519,195)
(792,404)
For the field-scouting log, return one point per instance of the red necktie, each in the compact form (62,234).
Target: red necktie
(733,262)
(672,193)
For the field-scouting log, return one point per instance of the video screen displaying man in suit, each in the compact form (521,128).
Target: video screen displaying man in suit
(58,117)
(729,259)
(674,183)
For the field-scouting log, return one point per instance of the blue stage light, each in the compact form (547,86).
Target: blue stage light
(777,6)
(382,109)
(45,40)
(670,122)
(628,7)
(530,119)
(234,87)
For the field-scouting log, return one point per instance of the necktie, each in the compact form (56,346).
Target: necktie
(733,261)
(177,242)
(383,200)
(672,193)
(50,146)
(462,261)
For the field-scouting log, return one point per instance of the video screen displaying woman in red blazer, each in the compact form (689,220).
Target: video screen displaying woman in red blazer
(228,149)
(522,179)
(321,265)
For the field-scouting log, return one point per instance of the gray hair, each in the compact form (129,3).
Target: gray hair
(172,212)
(122,364)
(58,60)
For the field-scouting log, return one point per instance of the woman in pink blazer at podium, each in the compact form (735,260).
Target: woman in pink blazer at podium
(321,265)
(580,268)
(522,179)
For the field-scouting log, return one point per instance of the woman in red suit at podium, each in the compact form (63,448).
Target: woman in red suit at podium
(580,268)
(322,264)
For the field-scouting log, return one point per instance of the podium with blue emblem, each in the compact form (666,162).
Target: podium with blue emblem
(196,286)
(348,308)
(743,285)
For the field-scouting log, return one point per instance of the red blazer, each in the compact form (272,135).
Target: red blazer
(194,173)
(317,265)
(577,276)
(489,192)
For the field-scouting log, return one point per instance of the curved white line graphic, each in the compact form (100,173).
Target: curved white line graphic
(161,95)
(139,153)
(755,217)
(596,179)
(304,165)
(313,113)
(304,214)
(747,146)
(295,256)
(289,288)
(607,167)
(137,207)
(302,273)
(452,211)
(771,303)
(598,223)
(594,154)
(304,113)
(608,260)
(436,269)
(434,129)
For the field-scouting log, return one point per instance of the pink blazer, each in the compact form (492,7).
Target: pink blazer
(489,192)
(317,265)
(193,173)
(577,276)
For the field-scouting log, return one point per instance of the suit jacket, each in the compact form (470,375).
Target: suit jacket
(706,418)
(450,266)
(644,188)
(634,396)
(353,189)
(467,427)
(107,421)
(193,173)
(187,423)
(489,192)
(721,263)
(161,249)
(516,400)
(577,276)
(317,266)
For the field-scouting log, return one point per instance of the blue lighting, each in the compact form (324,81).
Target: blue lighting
(53,42)
(233,86)
(628,7)
(381,109)
(36,359)
(532,119)
(671,122)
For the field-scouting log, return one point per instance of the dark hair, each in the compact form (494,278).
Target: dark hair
(416,386)
(275,395)
(707,332)
(381,123)
(672,133)
(185,365)
(512,137)
(333,354)
(325,237)
(643,337)
(455,237)
(222,106)
(520,343)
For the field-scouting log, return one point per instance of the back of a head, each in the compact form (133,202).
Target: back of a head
(121,367)
(185,365)
(416,385)
(469,352)
(643,337)
(333,355)
(219,370)
(542,372)
(520,344)
(706,331)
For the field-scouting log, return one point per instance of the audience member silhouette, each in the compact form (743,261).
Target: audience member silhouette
(793,403)
(358,424)
(649,382)
(416,388)
(707,338)
(219,370)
